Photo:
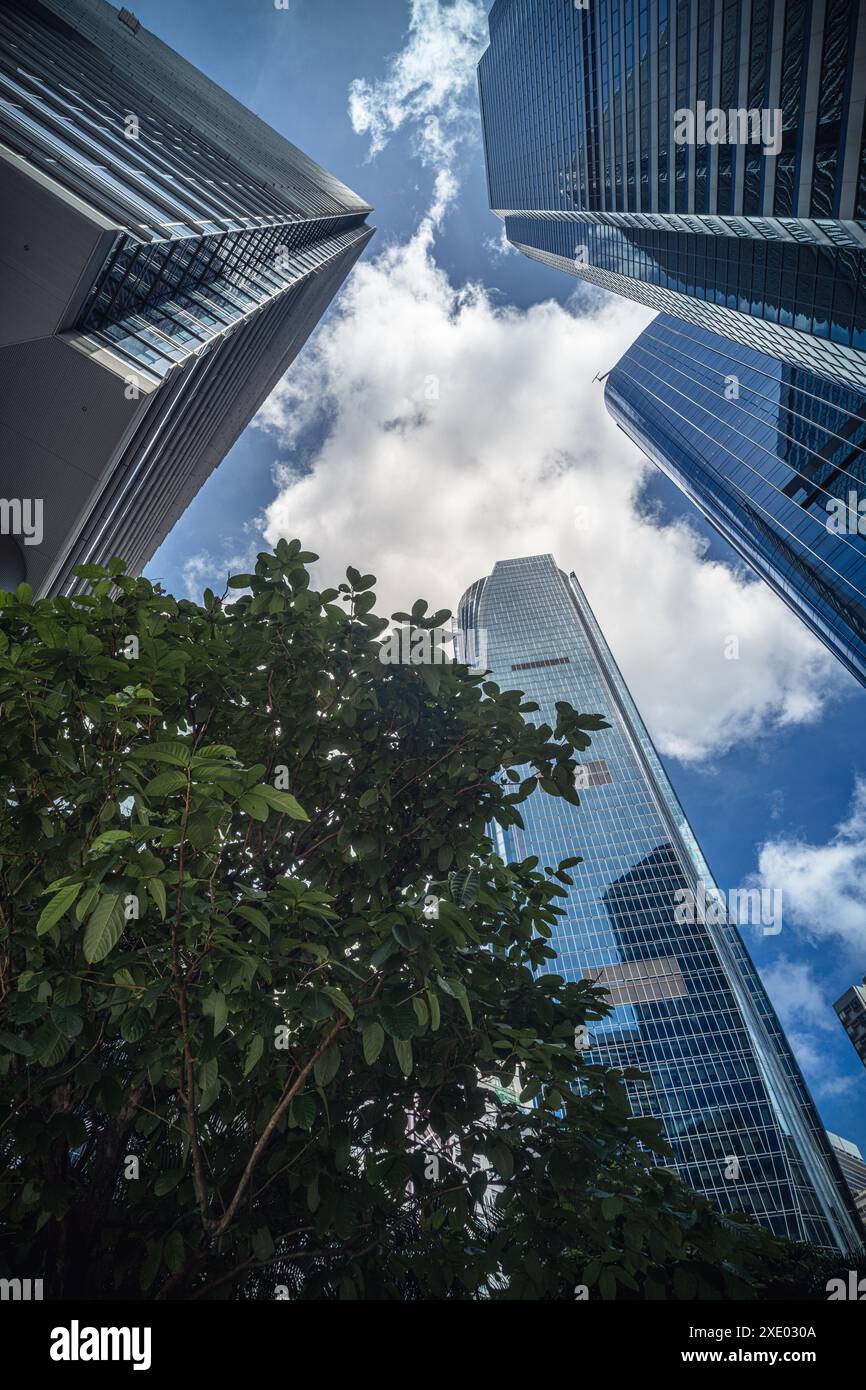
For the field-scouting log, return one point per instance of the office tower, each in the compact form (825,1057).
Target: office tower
(772,455)
(704,157)
(164,256)
(851,1009)
(853,1167)
(689,1008)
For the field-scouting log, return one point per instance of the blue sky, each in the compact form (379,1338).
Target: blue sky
(444,416)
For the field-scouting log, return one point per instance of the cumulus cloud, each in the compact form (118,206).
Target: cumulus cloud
(822,885)
(429,88)
(444,431)
(803,1004)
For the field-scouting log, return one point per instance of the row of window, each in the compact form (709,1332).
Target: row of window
(567,105)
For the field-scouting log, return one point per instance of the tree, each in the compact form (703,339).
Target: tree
(259,962)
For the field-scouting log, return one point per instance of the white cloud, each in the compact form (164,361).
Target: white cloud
(500,246)
(429,88)
(805,1009)
(822,885)
(460,432)
(209,569)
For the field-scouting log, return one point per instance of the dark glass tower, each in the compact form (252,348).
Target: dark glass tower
(690,1010)
(773,455)
(165,255)
(580,109)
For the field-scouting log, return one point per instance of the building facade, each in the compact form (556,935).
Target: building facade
(772,455)
(689,1009)
(853,1167)
(164,256)
(704,157)
(851,1009)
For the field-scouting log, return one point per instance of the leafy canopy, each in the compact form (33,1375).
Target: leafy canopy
(268,997)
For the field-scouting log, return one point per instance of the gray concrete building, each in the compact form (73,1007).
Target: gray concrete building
(853,1168)
(851,1009)
(164,255)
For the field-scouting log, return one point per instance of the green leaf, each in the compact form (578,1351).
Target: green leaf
(86,903)
(50,1044)
(457,990)
(67,991)
(464,886)
(58,883)
(60,903)
(167,1181)
(381,954)
(104,928)
(208,1082)
(165,783)
(108,839)
(339,998)
(254,1054)
(156,889)
(135,1025)
(216,1006)
(18,1045)
(170,752)
(432,678)
(372,1038)
(409,934)
(255,916)
(302,1112)
(403,1052)
(503,1161)
(280,801)
(327,1066)
(435,1015)
(444,857)
(255,806)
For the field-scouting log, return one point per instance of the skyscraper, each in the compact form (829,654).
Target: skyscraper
(851,1009)
(853,1167)
(165,255)
(772,455)
(689,1008)
(704,157)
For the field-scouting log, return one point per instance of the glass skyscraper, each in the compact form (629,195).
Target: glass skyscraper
(757,231)
(165,256)
(772,455)
(689,1008)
